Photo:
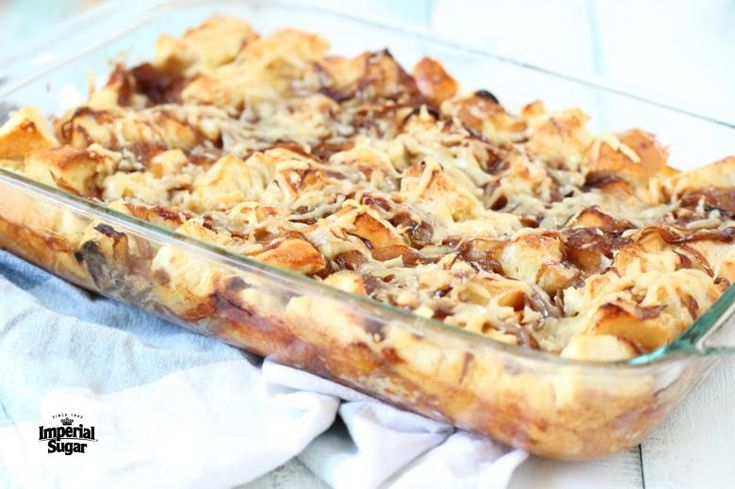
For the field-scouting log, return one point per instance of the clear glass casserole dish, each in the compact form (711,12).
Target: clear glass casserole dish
(548,405)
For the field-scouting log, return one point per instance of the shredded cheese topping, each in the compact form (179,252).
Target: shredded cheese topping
(524,227)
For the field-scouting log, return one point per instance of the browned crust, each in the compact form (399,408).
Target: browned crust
(433,81)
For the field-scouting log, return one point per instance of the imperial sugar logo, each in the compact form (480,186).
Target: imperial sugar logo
(69,437)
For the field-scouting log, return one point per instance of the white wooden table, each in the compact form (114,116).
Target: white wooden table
(684,52)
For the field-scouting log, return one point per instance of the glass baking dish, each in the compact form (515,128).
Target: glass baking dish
(548,405)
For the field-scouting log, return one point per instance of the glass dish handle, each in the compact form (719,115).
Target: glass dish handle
(714,332)
(720,340)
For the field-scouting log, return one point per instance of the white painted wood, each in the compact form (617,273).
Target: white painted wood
(683,51)
(618,471)
(554,34)
(694,447)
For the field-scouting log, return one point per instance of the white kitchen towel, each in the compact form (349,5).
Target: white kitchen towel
(172,408)
(379,443)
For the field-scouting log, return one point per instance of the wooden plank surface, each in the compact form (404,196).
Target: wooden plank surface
(618,471)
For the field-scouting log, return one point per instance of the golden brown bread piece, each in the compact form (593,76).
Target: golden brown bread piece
(216,41)
(293,253)
(79,171)
(26,130)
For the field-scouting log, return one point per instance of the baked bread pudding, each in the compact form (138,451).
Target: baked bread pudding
(523,227)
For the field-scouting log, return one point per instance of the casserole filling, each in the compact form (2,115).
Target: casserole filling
(524,227)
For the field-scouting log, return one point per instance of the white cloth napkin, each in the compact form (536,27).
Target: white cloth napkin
(175,409)
(388,444)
